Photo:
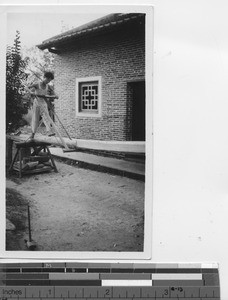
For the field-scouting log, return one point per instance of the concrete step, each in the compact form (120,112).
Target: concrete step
(133,166)
(135,170)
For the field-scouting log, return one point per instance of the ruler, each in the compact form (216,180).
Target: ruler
(92,281)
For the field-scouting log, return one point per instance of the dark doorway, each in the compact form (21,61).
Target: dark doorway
(138,111)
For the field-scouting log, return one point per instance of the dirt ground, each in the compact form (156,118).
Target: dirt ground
(76,210)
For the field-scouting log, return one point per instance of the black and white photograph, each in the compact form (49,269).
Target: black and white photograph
(77,130)
(114,143)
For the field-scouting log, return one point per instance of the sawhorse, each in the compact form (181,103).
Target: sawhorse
(36,148)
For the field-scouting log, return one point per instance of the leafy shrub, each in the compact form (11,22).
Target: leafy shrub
(15,79)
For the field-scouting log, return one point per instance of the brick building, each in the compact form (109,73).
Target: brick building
(100,78)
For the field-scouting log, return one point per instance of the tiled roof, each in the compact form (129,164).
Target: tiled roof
(103,24)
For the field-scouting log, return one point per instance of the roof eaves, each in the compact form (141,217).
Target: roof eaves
(53,41)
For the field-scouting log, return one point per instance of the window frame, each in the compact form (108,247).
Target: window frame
(78,104)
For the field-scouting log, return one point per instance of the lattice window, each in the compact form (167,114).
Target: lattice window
(88,96)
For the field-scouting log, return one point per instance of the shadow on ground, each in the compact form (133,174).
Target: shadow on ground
(16,213)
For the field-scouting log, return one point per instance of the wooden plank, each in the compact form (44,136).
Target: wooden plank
(134,147)
(34,171)
(41,170)
(39,158)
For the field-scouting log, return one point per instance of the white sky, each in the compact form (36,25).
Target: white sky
(39,22)
(36,27)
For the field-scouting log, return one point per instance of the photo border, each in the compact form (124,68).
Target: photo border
(148,198)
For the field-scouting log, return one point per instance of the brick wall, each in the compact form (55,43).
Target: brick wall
(117,57)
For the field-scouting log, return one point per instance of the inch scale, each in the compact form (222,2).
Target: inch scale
(94,281)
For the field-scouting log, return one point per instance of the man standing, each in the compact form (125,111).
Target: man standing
(43,93)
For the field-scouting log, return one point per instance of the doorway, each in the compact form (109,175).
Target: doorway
(138,110)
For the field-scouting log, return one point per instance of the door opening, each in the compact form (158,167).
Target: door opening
(138,111)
